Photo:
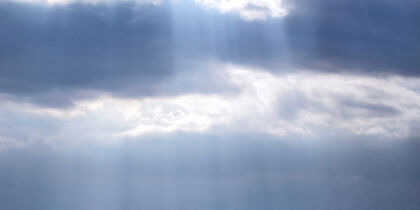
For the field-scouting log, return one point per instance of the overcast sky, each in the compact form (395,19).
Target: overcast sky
(209,104)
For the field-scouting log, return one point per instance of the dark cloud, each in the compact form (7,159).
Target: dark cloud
(51,54)
(214,172)
(79,46)
(376,37)
(371,36)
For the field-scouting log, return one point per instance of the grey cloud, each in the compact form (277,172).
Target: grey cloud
(371,36)
(52,55)
(75,47)
(370,109)
(376,37)
(210,171)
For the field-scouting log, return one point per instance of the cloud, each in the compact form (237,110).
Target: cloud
(304,105)
(360,36)
(54,56)
(292,104)
(215,172)
(249,9)
(8,143)
(64,2)
(116,105)
(66,52)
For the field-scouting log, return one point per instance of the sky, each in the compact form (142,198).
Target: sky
(209,104)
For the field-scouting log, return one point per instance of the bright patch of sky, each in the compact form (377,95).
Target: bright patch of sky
(249,9)
(303,104)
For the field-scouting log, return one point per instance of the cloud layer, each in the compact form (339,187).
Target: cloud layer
(301,105)
(53,55)
(208,172)
(249,9)
(64,2)
(208,104)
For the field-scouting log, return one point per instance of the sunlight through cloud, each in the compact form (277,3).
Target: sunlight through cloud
(302,104)
(249,9)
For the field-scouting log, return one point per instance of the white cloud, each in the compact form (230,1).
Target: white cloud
(249,9)
(304,104)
